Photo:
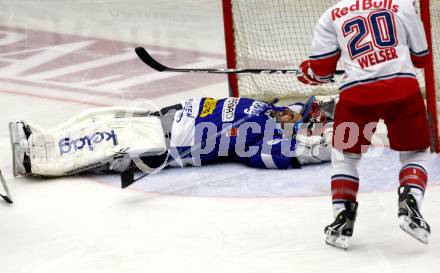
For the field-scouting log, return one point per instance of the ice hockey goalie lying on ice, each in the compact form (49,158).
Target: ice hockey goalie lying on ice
(195,132)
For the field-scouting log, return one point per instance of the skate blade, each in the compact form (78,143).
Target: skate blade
(342,241)
(418,233)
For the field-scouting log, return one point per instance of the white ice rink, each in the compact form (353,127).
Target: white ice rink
(59,57)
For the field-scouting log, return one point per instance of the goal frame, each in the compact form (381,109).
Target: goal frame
(431,97)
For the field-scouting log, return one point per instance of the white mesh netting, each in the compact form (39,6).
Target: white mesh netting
(277,34)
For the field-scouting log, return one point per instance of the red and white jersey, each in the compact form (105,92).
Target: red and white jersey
(379,41)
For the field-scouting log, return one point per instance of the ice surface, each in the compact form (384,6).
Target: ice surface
(234,180)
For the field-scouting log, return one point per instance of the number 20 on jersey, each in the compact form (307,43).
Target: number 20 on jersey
(381,27)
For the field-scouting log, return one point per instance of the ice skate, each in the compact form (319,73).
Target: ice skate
(410,219)
(339,232)
(19,135)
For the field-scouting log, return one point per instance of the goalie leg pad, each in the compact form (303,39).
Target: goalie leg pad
(95,143)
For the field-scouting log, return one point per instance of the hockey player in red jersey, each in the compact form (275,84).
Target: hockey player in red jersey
(380,43)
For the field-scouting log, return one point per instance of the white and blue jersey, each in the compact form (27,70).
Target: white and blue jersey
(243,130)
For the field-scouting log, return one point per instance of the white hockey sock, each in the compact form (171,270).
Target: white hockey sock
(338,208)
(344,180)
(418,195)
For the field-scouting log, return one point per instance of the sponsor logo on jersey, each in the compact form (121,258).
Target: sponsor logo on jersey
(66,144)
(256,108)
(208,107)
(228,112)
(187,111)
(337,13)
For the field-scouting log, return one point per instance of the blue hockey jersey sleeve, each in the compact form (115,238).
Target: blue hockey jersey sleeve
(278,153)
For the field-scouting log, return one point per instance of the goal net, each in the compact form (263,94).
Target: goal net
(277,34)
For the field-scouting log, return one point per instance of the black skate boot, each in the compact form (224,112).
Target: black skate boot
(410,219)
(339,232)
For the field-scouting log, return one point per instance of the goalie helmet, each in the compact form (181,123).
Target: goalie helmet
(314,111)
(319,110)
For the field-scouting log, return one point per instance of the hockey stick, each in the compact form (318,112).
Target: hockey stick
(127,177)
(151,62)
(6,197)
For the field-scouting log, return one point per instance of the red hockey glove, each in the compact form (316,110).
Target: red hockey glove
(307,76)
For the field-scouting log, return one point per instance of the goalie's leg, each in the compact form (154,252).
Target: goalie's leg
(100,139)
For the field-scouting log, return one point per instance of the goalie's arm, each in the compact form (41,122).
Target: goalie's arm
(306,150)
(271,156)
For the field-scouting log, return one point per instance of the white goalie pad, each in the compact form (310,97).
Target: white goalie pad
(314,149)
(103,114)
(90,141)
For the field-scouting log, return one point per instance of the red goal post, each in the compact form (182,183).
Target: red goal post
(277,34)
(430,14)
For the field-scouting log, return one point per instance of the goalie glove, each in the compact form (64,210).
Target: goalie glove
(307,76)
(314,149)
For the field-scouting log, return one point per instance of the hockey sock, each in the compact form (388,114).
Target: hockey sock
(344,180)
(416,177)
(344,189)
(413,172)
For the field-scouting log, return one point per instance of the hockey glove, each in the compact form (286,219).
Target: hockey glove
(307,76)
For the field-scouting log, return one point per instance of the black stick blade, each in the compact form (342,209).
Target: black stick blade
(7,199)
(148,60)
(127,178)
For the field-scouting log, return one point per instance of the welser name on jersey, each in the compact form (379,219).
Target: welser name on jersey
(374,58)
(364,5)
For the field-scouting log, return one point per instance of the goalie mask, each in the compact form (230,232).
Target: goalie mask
(314,112)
